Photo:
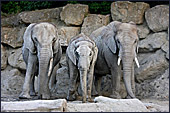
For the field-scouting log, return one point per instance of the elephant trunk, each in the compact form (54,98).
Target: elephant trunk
(127,72)
(45,62)
(83,82)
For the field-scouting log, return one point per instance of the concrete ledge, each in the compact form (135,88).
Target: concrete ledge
(122,105)
(59,105)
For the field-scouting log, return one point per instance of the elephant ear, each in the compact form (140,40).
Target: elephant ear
(95,50)
(56,44)
(71,52)
(28,42)
(109,34)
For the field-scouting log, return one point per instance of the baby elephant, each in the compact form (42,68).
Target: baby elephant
(81,56)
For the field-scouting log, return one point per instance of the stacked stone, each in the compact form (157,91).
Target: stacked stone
(152,78)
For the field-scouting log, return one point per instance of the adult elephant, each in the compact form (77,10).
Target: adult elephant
(81,56)
(41,52)
(117,41)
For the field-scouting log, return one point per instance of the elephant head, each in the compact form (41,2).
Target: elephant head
(42,40)
(82,51)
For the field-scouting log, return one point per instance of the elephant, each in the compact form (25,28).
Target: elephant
(41,52)
(81,55)
(116,42)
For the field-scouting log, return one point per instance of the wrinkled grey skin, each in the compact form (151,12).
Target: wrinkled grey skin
(41,52)
(81,56)
(116,40)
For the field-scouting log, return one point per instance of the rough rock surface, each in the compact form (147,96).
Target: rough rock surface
(10,21)
(157,18)
(165,48)
(66,33)
(125,11)
(58,105)
(74,14)
(93,22)
(143,30)
(45,15)
(112,105)
(3,57)
(62,83)
(12,36)
(16,60)
(157,88)
(11,82)
(151,66)
(152,42)
(154,105)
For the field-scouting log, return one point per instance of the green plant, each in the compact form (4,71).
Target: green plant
(102,7)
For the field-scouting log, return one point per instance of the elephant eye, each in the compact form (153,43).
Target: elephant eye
(135,41)
(90,54)
(118,41)
(35,39)
(54,39)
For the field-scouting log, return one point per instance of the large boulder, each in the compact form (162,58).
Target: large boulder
(58,105)
(143,30)
(45,15)
(62,83)
(16,60)
(10,21)
(125,11)
(157,88)
(106,88)
(12,36)
(66,33)
(93,22)
(3,57)
(152,42)
(165,48)
(74,14)
(155,105)
(151,66)
(11,82)
(157,18)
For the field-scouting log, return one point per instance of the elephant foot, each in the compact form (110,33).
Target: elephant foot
(71,97)
(115,96)
(90,100)
(32,93)
(84,101)
(95,93)
(24,96)
(44,96)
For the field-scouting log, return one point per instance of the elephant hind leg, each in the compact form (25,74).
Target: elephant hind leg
(97,84)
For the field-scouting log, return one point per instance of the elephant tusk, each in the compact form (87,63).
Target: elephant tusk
(118,62)
(137,63)
(50,67)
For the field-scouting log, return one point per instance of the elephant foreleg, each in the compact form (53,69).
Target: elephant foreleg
(32,89)
(73,73)
(115,79)
(89,83)
(30,67)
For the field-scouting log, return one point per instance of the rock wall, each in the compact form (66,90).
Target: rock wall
(152,78)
